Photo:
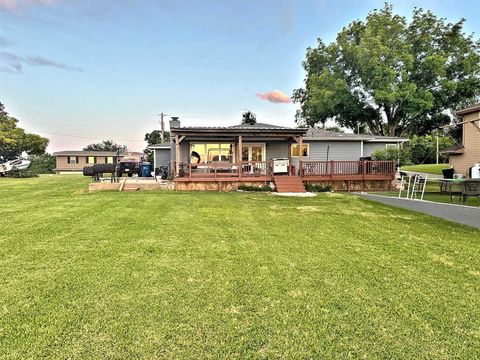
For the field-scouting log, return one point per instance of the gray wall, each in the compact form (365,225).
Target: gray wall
(369,148)
(162,157)
(276,149)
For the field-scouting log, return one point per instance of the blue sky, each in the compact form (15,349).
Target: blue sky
(105,69)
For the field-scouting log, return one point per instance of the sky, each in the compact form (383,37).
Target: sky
(79,72)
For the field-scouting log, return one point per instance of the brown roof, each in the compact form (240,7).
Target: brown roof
(91,153)
(468,110)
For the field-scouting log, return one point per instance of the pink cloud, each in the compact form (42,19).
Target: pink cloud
(12,5)
(276,97)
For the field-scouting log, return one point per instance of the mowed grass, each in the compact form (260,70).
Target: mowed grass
(229,275)
(427,168)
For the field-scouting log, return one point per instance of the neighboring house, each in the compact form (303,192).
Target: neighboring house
(463,157)
(246,153)
(75,161)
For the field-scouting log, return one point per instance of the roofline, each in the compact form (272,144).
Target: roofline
(73,153)
(340,138)
(159,146)
(468,110)
(237,130)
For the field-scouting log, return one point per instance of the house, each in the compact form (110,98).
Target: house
(75,161)
(221,158)
(463,157)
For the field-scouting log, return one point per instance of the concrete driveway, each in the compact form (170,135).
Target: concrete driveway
(466,215)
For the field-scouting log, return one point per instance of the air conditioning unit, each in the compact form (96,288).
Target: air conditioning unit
(280,166)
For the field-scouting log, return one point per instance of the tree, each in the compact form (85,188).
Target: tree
(155,137)
(105,145)
(14,140)
(395,77)
(249,118)
(42,164)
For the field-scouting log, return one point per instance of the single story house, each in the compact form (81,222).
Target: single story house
(72,161)
(253,153)
(463,156)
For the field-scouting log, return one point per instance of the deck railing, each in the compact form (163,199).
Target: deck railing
(219,170)
(308,170)
(347,170)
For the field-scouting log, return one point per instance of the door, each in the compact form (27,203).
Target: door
(253,152)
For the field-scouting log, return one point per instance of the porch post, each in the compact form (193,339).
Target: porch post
(239,160)
(177,155)
(289,155)
(300,153)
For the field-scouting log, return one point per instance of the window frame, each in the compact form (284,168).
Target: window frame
(87,158)
(205,151)
(307,145)
(395,146)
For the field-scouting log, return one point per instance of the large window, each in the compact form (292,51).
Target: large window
(91,160)
(295,148)
(109,160)
(206,153)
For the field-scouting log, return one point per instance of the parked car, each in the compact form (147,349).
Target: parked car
(130,165)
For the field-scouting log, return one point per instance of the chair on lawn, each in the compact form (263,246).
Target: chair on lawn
(470,188)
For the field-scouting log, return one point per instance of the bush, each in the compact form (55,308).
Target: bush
(22,174)
(401,156)
(42,164)
(254,188)
(317,188)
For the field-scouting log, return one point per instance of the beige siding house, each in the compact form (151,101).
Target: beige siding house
(75,161)
(464,157)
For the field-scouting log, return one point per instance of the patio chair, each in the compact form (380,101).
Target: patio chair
(470,188)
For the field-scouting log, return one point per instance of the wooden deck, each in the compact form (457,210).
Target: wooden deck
(309,171)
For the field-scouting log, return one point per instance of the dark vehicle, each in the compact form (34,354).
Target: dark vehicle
(130,164)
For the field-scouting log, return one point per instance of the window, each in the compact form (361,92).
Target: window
(205,153)
(109,160)
(72,159)
(305,150)
(91,160)
(387,146)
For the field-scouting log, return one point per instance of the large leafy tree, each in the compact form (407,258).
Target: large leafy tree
(105,145)
(394,77)
(155,137)
(14,140)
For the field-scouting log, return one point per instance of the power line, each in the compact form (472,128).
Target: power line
(83,137)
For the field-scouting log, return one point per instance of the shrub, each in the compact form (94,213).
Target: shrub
(42,164)
(317,188)
(401,156)
(254,188)
(22,174)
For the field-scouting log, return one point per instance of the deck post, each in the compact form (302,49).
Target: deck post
(300,153)
(289,156)
(239,160)
(177,155)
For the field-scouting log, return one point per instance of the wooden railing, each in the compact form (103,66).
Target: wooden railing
(347,170)
(222,170)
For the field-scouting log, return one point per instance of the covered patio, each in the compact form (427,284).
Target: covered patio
(239,153)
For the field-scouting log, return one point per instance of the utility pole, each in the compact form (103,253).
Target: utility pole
(437,151)
(162,128)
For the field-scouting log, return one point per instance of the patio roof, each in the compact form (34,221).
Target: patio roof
(255,130)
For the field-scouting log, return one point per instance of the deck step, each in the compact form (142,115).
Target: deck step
(288,184)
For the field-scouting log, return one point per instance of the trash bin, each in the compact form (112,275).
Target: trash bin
(447,173)
(145,170)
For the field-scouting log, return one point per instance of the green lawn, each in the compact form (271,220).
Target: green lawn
(427,168)
(229,275)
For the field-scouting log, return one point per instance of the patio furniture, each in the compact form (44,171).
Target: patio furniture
(451,187)
(448,173)
(470,188)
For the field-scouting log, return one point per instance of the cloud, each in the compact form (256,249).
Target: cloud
(276,97)
(4,42)
(12,63)
(12,5)
(40,61)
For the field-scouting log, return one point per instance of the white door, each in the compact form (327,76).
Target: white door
(253,152)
